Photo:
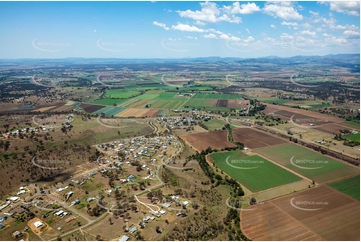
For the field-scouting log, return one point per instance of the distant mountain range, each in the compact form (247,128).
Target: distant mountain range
(331,59)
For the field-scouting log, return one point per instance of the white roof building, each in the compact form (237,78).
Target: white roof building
(38,224)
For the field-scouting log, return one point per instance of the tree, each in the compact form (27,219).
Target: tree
(253,201)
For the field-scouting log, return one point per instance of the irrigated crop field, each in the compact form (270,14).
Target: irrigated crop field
(109,111)
(121,93)
(201,141)
(255,139)
(307,162)
(254,172)
(350,186)
(315,214)
(214,124)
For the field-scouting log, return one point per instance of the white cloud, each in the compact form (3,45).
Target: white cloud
(248,31)
(350,8)
(199,23)
(227,37)
(336,40)
(326,35)
(249,39)
(314,13)
(214,31)
(307,26)
(190,37)
(272,26)
(293,24)
(210,36)
(94,30)
(286,36)
(186,27)
(284,10)
(209,13)
(246,8)
(351,33)
(306,32)
(162,25)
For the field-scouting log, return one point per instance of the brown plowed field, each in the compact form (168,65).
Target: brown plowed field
(89,108)
(237,103)
(222,103)
(271,108)
(137,112)
(211,102)
(201,141)
(268,222)
(335,128)
(255,139)
(324,213)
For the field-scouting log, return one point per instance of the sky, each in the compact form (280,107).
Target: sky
(161,29)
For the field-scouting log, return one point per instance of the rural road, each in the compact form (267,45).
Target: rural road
(166,83)
(37,83)
(108,126)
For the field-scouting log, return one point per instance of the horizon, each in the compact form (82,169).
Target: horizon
(180,58)
(173,30)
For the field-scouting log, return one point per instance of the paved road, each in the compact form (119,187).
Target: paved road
(166,83)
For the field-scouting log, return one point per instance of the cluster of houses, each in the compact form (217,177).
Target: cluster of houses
(184,121)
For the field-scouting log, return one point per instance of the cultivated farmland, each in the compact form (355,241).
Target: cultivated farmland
(307,163)
(254,172)
(89,108)
(201,141)
(350,186)
(255,139)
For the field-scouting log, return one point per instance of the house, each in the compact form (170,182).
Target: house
(185,203)
(38,224)
(2,226)
(16,234)
(59,213)
(90,199)
(3,219)
(123,238)
(163,212)
(19,210)
(14,199)
(71,218)
(133,229)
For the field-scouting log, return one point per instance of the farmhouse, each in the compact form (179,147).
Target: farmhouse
(133,229)
(123,238)
(38,224)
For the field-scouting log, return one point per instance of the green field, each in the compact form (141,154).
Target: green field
(107,101)
(307,163)
(353,137)
(109,111)
(164,104)
(254,172)
(120,93)
(353,123)
(350,186)
(214,124)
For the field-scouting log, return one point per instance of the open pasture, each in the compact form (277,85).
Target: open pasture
(308,163)
(254,172)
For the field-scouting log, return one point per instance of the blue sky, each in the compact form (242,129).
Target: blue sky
(177,29)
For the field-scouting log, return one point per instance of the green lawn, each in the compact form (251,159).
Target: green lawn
(354,137)
(214,124)
(120,93)
(307,162)
(107,101)
(254,172)
(350,186)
